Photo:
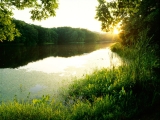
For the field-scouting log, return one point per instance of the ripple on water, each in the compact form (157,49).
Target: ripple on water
(37,88)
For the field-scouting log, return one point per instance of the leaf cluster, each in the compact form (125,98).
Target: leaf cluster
(111,13)
(40,9)
(134,16)
(7,28)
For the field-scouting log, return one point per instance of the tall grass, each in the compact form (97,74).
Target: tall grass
(41,109)
(130,91)
(126,92)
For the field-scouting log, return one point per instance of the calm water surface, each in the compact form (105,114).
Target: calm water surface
(41,70)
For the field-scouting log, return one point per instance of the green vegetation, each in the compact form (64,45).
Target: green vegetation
(130,91)
(39,10)
(38,110)
(131,17)
(36,35)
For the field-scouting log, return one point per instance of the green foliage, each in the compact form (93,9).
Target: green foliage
(130,91)
(134,17)
(41,9)
(127,92)
(7,28)
(43,100)
(73,35)
(38,110)
(113,12)
(33,34)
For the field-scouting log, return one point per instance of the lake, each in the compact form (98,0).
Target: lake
(47,69)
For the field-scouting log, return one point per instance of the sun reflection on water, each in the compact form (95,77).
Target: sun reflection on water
(47,76)
(97,59)
(54,64)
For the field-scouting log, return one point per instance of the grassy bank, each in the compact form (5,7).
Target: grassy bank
(130,91)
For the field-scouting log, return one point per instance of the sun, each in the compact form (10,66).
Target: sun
(115,31)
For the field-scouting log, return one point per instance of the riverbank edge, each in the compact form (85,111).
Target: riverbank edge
(115,93)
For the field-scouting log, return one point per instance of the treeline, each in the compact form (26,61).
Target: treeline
(33,34)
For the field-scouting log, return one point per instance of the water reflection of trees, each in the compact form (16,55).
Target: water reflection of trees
(15,56)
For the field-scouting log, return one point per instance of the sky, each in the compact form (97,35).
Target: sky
(72,13)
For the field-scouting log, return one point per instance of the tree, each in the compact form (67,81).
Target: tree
(146,17)
(54,36)
(81,35)
(40,9)
(134,17)
(20,25)
(111,13)
(30,34)
(7,28)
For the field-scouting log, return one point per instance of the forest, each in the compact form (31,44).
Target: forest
(35,35)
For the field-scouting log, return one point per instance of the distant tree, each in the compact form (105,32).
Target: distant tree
(81,35)
(20,25)
(90,36)
(54,36)
(74,36)
(63,34)
(42,34)
(33,34)
(29,35)
(40,9)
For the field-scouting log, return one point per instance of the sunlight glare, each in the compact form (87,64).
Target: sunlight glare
(69,14)
(109,0)
(115,31)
